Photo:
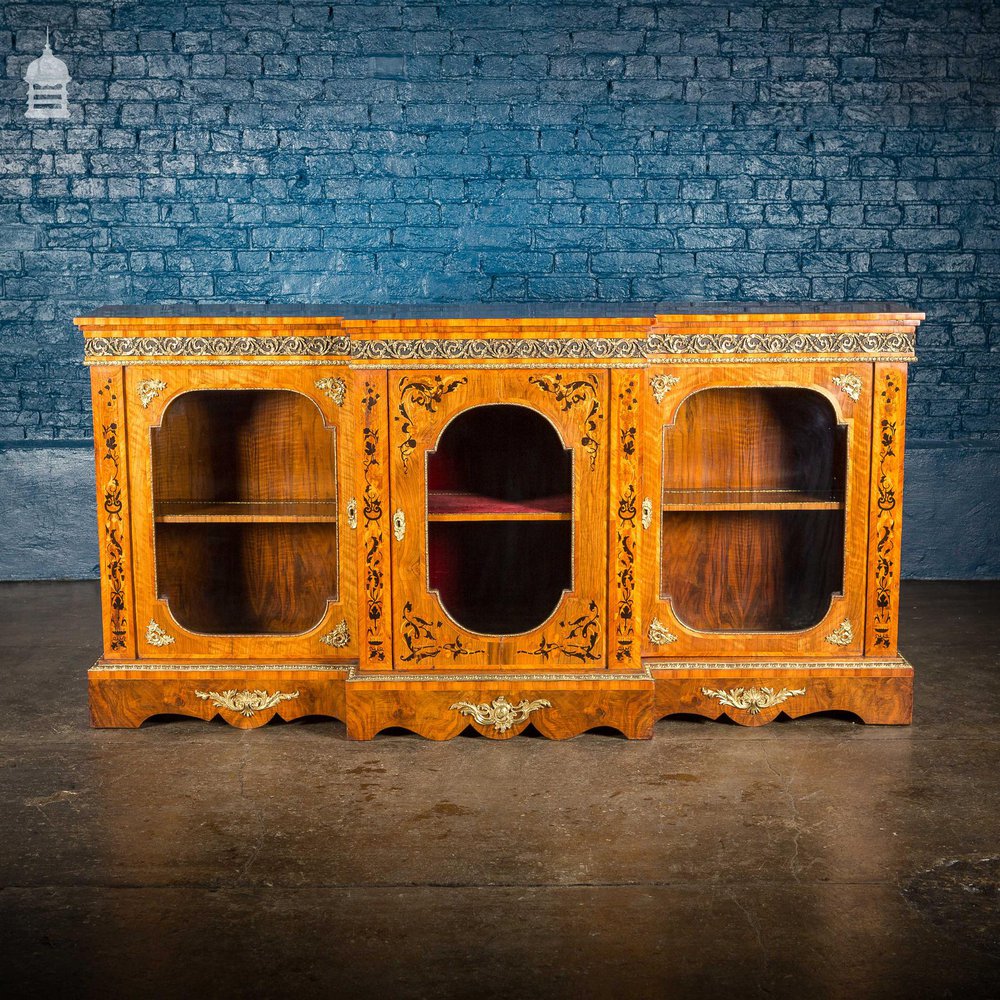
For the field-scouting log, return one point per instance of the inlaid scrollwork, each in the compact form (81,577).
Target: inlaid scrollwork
(581,392)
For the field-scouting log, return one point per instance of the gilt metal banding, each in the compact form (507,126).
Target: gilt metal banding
(752,700)
(850,384)
(399,525)
(335,388)
(500,713)
(339,637)
(148,389)
(155,635)
(647,513)
(659,634)
(247,703)
(842,635)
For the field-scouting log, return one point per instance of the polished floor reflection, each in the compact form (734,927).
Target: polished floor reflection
(817,857)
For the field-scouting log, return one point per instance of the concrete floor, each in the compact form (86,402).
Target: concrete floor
(816,858)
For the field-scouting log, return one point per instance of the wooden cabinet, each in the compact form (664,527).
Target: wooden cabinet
(568,522)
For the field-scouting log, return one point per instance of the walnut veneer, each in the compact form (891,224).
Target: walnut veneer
(566,522)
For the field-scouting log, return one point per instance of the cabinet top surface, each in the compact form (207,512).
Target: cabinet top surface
(646,311)
(624,333)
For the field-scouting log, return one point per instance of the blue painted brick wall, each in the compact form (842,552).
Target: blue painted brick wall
(378,152)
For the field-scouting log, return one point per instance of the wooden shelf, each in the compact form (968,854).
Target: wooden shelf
(711,500)
(246,512)
(445,506)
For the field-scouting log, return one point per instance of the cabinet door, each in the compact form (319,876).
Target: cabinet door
(499,501)
(243,518)
(755,509)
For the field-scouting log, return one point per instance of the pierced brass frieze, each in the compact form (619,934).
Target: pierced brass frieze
(659,634)
(500,713)
(661,385)
(850,384)
(752,700)
(647,513)
(842,635)
(148,389)
(247,703)
(335,388)
(339,637)
(155,635)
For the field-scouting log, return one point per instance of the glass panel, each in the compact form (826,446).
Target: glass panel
(245,505)
(753,509)
(499,513)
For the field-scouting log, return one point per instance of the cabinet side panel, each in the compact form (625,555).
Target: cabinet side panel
(886,509)
(624,522)
(375,642)
(113,519)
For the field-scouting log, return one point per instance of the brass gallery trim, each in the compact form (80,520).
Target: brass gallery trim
(758,667)
(246,702)
(876,345)
(500,713)
(357,676)
(106,666)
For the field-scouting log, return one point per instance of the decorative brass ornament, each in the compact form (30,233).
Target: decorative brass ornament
(842,635)
(752,700)
(155,635)
(647,513)
(500,713)
(352,513)
(662,384)
(247,703)
(212,347)
(335,388)
(851,385)
(148,389)
(659,634)
(339,637)
(399,525)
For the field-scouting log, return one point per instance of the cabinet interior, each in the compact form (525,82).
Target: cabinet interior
(499,513)
(752,509)
(245,510)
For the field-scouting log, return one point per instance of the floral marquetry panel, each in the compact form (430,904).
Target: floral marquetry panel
(499,483)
